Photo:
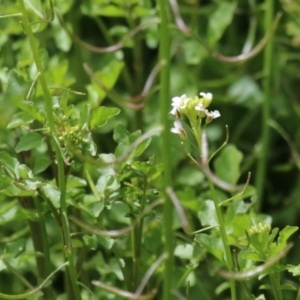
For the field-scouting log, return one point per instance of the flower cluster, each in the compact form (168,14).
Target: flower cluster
(75,136)
(260,228)
(195,109)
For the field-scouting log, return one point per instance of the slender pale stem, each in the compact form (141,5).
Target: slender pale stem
(164,100)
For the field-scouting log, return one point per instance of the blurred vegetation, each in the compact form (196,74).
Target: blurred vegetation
(105,53)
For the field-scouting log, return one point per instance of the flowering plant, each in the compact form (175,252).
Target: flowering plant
(195,109)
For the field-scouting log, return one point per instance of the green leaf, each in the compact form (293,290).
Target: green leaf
(74,181)
(261,297)
(29,141)
(34,110)
(193,54)
(219,20)
(93,8)
(212,243)
(120,134)
(62,39)
(190,176)
(285,233)
(245,91)
(222,287)
(25,171)
(227,164)
(11,164)
(26,214)
(107,183)
(101,115)
(106,242)
(16,87)
(35,7)
(20,119)
(207,214)
(184,251)
(295,270)
(41,164)
(108,76)
(52,193)
(141,147)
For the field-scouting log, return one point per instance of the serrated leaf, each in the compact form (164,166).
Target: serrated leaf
(101,115)
(295,270)
(29,141)
(227,164)
(285,233)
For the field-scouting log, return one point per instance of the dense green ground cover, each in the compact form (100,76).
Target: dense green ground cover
(103,196)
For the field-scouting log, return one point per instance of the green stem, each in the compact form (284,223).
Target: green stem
(40,243)
(134,245)
(275,286)
(298,294)
(265,138)
(138,237)
(164,57)
(229,260)
(74,292)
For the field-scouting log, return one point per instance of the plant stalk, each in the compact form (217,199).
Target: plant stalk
(164,102)
(229,259)
(266,106)
(74,291)
(275,286)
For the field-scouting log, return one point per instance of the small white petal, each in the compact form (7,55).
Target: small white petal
(200,107)
(216,114)
(180,102)
(176,101)
(173,111)
(177,127)
(177,124)
(207,96)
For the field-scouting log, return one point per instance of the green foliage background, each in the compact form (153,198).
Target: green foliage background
(108,53)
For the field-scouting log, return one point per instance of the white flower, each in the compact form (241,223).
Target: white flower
(212,115)
(201,109)
(178,129)
(179,103)
(207,98)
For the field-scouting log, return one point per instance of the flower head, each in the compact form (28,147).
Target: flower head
(212,115)
(179,104)
(178,129)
